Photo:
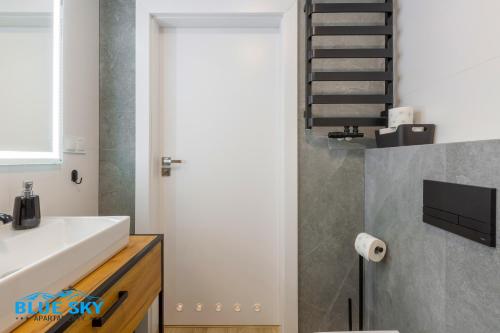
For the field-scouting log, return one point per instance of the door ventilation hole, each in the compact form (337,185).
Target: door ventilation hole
(218,307)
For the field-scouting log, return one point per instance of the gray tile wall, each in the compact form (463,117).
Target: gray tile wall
(331,187)
(117,108)
(431,281)
(331,214)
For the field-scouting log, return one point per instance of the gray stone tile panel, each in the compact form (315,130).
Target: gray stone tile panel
(331,189)
(117,108)
(431,280)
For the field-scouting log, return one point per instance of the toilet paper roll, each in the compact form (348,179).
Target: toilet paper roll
(401,116)
(370,248)
(389,130)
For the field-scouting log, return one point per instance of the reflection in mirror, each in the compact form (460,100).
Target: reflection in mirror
(30,75)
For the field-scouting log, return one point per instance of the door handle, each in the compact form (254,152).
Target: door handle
(99,322)
(166,165)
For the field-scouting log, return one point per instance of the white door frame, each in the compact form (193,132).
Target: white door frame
(148,147)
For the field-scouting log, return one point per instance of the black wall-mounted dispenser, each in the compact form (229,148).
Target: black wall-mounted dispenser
(468,211)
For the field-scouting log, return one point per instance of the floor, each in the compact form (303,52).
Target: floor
(222,329)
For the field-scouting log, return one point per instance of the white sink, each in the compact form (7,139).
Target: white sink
(53,256)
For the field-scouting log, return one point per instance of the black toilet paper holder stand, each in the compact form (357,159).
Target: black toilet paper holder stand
(361,298)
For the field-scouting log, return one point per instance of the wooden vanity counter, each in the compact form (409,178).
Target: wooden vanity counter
(128,284)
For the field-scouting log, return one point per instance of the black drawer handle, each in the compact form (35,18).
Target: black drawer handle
(99,322)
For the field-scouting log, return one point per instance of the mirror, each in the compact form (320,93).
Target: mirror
(30,82)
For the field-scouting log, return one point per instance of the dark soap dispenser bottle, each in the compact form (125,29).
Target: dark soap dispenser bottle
(26,209)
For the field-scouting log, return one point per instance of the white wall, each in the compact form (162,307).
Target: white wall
(81,118)
(449,66)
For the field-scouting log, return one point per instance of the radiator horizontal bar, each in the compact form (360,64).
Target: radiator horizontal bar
(351,30)
(349,121)
(351,76)
(351,8)
(351,53)
(350,99)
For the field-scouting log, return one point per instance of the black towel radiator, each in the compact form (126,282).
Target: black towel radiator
(386,53)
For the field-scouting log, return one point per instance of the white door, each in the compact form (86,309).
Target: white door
(220,115)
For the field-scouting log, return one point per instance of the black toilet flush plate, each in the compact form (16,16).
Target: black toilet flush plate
(468,211)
